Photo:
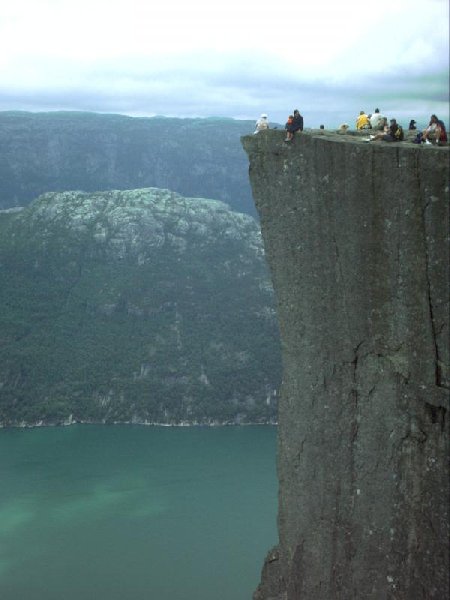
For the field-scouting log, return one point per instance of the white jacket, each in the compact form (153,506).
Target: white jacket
(262,123)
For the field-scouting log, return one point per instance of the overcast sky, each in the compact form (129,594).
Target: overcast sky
(328,58)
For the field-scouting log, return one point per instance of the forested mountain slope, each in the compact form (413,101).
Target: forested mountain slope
(138,306)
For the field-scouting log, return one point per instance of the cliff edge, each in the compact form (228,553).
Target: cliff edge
(356,240)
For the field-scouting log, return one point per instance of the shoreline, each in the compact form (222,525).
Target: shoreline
(23,425)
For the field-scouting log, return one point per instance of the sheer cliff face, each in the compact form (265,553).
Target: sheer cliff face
(356,239)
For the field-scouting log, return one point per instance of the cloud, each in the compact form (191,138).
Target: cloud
(200,59)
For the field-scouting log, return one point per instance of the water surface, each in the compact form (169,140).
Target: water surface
(131,513)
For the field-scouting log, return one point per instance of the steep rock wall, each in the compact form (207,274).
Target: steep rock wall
(356,239)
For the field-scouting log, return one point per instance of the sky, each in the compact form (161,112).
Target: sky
(239,58)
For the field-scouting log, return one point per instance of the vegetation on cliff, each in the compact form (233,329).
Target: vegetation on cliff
(135,306)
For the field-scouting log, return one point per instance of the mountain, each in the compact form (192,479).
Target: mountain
(137,305)
(60,151)
(356,236)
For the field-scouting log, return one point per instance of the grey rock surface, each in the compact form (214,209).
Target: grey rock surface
(356,236)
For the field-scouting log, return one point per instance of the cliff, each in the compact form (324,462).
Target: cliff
(60,151)
(356,239)
(137,305)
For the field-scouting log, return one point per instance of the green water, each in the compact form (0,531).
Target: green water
(131,513)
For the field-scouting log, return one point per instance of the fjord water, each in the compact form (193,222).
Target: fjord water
(133,513)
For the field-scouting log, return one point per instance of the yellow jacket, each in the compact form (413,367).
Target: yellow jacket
(362,122)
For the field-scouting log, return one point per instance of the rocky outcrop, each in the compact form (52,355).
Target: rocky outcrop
(137,305)
(355,235)
(61,151)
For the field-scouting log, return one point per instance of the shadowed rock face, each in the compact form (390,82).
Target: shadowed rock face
(356,239)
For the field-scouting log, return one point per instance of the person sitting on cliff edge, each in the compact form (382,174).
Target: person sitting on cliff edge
(362,122)
(261,124)
(377,120)
(296,125)
(435,131)
(393,134)
(288,124)
(343,128)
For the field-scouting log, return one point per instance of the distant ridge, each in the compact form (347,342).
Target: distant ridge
(66,150)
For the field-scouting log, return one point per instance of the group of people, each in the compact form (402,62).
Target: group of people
(375,121)
(293,124)
(379,123)
(392,133)
(434,133)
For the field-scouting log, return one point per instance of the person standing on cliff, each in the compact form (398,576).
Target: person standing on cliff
(296,125)
(261,124)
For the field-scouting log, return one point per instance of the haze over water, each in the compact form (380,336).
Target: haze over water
(131,513)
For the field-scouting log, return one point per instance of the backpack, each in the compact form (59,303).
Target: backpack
(399,135)
(443,131)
